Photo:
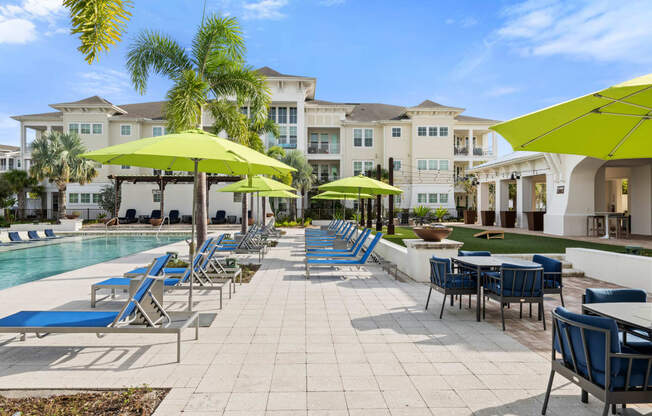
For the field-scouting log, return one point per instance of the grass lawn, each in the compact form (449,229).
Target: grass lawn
(513,243)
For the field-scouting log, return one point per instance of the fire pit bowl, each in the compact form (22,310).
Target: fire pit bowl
(432,233)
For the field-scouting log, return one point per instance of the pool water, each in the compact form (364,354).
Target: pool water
(26,265)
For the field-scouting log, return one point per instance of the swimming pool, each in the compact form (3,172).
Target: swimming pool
(26,265)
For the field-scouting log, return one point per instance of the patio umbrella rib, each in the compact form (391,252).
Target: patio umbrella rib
(171,163)
(629,133)
(620,101)
(643,116)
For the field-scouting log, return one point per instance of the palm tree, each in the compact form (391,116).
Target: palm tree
(303,178)
(207,75)
(55,157)
(21,182)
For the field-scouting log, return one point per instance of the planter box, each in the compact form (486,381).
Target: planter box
(488,217)
(535,220)
(507,219)
(470,216)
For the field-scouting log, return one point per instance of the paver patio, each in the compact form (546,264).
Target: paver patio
(343,343)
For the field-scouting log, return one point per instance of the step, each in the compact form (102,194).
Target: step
(572,273)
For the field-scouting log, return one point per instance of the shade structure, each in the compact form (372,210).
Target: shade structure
(256,184)
(361,184)
(278,194)
(614,123)
(332,195)
(191,150)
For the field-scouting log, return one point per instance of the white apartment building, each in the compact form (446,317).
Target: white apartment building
(432,144)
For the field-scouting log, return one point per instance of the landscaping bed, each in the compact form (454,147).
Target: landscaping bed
(248,271)
(141,401)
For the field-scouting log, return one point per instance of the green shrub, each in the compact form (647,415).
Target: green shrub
(308,221)
(284,224)
(292,224)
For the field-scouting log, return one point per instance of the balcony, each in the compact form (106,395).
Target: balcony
(476,151)
(323,148)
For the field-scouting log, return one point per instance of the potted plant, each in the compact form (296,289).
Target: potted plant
(101,217)
(156,221)
(421,212)
(470,185)
(440,213)
(73,216)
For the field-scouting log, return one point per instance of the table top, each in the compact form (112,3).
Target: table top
(493,261)
(636,314)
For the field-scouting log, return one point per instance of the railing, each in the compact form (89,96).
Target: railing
(323,148)
(37,214)
(161,225)
(113,220)
(476,151)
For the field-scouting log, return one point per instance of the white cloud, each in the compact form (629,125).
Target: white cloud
(600,30)
(450,21)
(18,22)
(265,9)
(105,82)
(500,91)
(468,22)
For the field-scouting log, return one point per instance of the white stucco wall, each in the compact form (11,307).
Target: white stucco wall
(622,269)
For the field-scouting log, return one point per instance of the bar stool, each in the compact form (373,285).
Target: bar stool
(595,225)
(623,226)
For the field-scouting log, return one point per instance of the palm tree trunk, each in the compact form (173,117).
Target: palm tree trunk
(200,209)
(21,204)
(243,227)
(62,201)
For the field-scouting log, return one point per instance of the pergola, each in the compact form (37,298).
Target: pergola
(163,181)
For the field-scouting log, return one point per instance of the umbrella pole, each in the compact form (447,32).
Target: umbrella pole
(192,235)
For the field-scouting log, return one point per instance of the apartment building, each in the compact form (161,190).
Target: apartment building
(432,144)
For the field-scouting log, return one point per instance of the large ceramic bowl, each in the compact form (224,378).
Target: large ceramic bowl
(429,233)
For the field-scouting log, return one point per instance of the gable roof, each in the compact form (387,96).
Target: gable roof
(269,72)
(376,112)
(95,99)
(8,148)
(428,104)
(154,110)
(475,119)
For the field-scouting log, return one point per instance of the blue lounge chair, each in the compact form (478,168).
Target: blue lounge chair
(136,316)
(219,218)
(339,253)
(130,217)
(343,262)
(15,238)
(593,359)
(33,236)
(339,234)
(552,282)
(173,271)
(328,232)
(326,243)
(49,234)
(324,229)
(361,238)
(174,218)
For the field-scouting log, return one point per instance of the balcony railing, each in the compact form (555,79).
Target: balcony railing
(323,148)
(465,151)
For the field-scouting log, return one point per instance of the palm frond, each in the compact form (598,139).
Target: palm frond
(243,83)
(217,37)
(153,52)
(99,23)
(185,101)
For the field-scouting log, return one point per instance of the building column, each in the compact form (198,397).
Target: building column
(470,149)
(483,197)
(524,194)
(502,198)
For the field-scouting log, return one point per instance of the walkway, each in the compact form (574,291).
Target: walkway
(354,343)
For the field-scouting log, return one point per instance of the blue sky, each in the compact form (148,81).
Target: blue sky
(497,59)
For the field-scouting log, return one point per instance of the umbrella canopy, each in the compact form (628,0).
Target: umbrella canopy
(279,194)
(361,184)
(331,195)
(256,184)
(180,150)
(610,124)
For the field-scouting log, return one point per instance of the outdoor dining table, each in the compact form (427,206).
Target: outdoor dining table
(629,315)
(486,263)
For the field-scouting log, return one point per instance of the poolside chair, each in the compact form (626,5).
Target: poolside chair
(339,241)
(142,313)
(33,236)
(463,253)
(341,231)
(552,282)
(593,359)
(219,218)
(343,262)
(173,271)
(515,284)
(130,217)
(156,214)
(14,238)
(445,281)
(360,239)
(635,339)
(174,217)
(49,234)
(342,253)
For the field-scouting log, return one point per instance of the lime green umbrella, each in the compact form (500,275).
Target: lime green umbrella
(192,150)
(610,124)
(278,194)
(361,185)
(256,184)
(332,195)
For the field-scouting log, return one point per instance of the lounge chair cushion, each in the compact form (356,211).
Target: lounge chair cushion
(328,261)
(614,295)
(463,253)
(551,284)
(46,319)
(167,270)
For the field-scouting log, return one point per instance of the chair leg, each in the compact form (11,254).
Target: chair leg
(542,315)
(452,300)
(460,302)
(520,311)
(605,410)
(428,300)
(613,408)
(469,301)
(484,305)
(561,296)
(545,400)
(502,314)
(443,303)
(584,396)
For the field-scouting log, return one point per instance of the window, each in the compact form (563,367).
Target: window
(432,198)
(443,198)
(237,197)
(85,198)
(362,166)
(421,131)
(11,164)
(293,135)
(422,164)
(443,131)
(368,137)
(397,165)
(396,132)
(432,164)
(357,137)
(73,128)
(159,131)
(421,198)
(432,131)
(125,130)
(293,115)
(125,167)
(156,172)
(272,114)
(85,128)
(96,198)
(3,164)
(245,111)
(283,134)
(73,198)
(282,115)
(397,199)
(443,164)
(169,172)
(97,128)
(156,195)
(368,166)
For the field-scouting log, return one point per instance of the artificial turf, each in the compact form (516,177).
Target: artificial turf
(513,243)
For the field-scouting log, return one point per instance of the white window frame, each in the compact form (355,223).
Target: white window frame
(425,198)
(81,128)
(448,165)
(156,196)
(70,131)
(97,124)
(90,198)
(422,160)
(364,137)
(400,165)
(430,195)
(70,201)
(441,129)
(363,162)
(419,133)
(164,130)
(95,196)
(361,137)
(434,129)
(443,194)
(130,130)
(400,132)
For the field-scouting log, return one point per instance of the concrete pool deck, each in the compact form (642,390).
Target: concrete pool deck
(343,343)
